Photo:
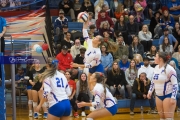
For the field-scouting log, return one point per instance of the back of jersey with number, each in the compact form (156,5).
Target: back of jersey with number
(56,88)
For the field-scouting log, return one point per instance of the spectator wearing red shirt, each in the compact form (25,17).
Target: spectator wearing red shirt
(64,59)
(72,98)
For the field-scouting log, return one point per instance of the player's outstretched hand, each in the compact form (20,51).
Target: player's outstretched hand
(81,104)
(74,65)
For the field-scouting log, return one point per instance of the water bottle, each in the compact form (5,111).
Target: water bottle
(141,109)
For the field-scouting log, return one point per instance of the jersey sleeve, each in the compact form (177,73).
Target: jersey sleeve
(151,88)
(97,100)
(67,88)
(86,36)
(94,62)
(47,87)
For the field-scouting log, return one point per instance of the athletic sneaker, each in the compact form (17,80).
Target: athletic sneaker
(35,116)
(83,114)
(76,115)
(153,112)
(178,110)
(45,115)
(30,113)
(131,113)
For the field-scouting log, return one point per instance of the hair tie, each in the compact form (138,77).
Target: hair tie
(168,57)
(100,74)
(55,61)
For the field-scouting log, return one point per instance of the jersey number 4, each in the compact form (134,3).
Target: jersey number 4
(59,82)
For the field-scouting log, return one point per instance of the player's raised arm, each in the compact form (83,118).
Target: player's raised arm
(85,27)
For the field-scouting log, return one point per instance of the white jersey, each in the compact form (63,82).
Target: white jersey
(164,81)
(100,100)
(56,88)
(92,55)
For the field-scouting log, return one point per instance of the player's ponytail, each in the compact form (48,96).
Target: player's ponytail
(111,46)
(100,77)
(52,67)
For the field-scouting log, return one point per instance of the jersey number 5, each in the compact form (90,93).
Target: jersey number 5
(59,82)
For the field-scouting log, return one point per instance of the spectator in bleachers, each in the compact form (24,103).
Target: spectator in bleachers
(124,63)
(104,18)
(104,27)
(151,55)
(87,6)
(105,8)
(146,68)
(119,11)
(154,6)
(60,22)
(79,59)
(107,37)
(92,21)
(139,60)
(67,6)
(98,8)
(116,80)
(174,9)
(166,46)
(169,56)
(19,76)
(142,3)
(64,58)
(176,33)
(92,29)
(77,7)
(120,29)
(102,2)
(170,37)
(113,6)
(122,50)
(67,41)
(177,55)
(106,59)
(140,90)
(75,49)
(132,29)
(129,4)
(83,93)
(131,75)
(145,37)
(136,48)
(155,20)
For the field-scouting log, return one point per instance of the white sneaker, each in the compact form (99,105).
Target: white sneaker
(30,113)
(71,114)
(83,114)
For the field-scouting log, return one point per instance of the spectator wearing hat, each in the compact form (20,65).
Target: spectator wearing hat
(64,58)
(122,50)
(174,9)
(170,37)
(124,63)
(60,22)
(67,6)
(146,68)
(103,17)
(153,6)
(75,49)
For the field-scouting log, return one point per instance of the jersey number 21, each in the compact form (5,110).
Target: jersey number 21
(59,82)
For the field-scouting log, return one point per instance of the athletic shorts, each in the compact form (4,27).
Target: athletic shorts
(37,86)
(113,109)
(29,87)
(60,109)
(165,96)
(98,68)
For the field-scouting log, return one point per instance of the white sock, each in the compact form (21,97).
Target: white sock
(169,119)
(89,119)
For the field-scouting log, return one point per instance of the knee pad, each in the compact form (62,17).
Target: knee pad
(30,102)
(34,104)
(45,105)
(169,119)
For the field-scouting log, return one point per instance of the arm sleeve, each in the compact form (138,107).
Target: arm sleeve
(141,36)
(111,60)
(171,49)
(160,48)
(67,89)
(93,62)
(47,87)
(4,22)
(126,75)
(151,88)
(86,36)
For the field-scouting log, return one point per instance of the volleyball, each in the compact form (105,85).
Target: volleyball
(82,17)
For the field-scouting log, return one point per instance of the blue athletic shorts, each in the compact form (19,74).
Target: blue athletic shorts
(62,108)
(113,109)
(29,87)
(98,68)
(165,96)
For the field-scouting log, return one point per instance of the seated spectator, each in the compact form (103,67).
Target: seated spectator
(153,6)
(170,37)
(124,63)
(19,77)
(154,24)
(106,59)
(119,11)
(92,21)
(166,46)
(102,2)
(87,6)
(139,61)
(83,93)
(129,5)
(145,38)
(122,50)
(132,28)
(170,58)
(120,29)
(104,18)
(174,9)
(142,3)
(77,7)
(146,68)
(113,6)
(79,59)
(106,9)
(116,80)
(60,22)
(136,48)
(151,55)
(67,6)
(107,37)
(176,33)
(104,27)
(140,90)
(131,75)
(67,41)
(92,29)
(64,58)
(75,49)
(176,55)
(98,8)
